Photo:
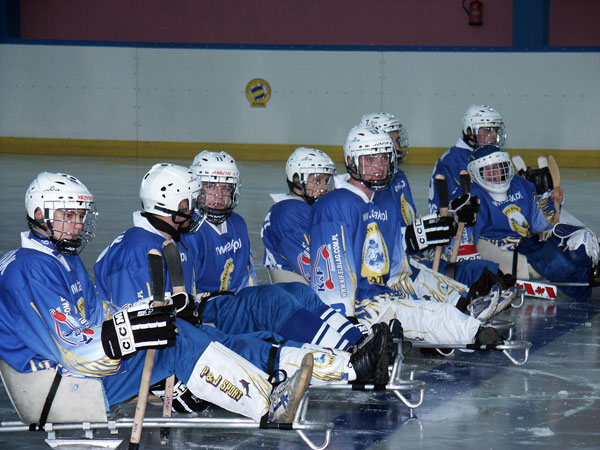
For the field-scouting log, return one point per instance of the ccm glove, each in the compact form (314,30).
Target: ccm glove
(429,230)
(186,308)
(127,333)
(465,208)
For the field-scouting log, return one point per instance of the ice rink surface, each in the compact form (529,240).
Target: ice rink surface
(472,400)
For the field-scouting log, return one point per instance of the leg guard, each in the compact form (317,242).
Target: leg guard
(330,366)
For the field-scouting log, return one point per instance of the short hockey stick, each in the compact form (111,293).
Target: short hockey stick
(157,277)
(555,174)
(442,190)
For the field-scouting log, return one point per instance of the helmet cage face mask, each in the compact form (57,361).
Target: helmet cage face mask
(390,124)
(368,141)
(489,121)
(219,185)
(66,206)
(305,162)
(164,187)
(493,172)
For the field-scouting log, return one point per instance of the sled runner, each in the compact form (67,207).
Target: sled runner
(79,404)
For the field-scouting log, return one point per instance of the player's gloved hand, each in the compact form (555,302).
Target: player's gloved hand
(429,230)
(185,307)
(127,332)
(465,209)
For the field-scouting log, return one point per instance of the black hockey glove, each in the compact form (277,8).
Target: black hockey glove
(465,208)
(127,333)
(429,230)
(186,308)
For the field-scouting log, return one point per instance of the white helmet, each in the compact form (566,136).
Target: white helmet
(389,124)
(478,116)
(362,141)
(491,168)
(304,162)
(217,167)
(165,186)
(58,191)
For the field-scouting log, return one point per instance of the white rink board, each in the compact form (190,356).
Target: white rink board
(548,100)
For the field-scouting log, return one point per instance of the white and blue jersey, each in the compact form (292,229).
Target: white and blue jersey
(400,190)
(49,313)
(449,165)
(285,235)
(221,259)
(514,222)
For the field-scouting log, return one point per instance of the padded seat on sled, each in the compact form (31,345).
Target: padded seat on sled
(77,399)
(284,276)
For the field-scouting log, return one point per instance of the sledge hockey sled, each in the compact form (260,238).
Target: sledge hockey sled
(397,385)
(79,404)
(506,348)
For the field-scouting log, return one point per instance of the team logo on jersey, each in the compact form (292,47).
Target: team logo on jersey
(304,265)
(323,359)
(322,271)
(258,92)
(516,220)
(375,261)
(68,330)
(408,214)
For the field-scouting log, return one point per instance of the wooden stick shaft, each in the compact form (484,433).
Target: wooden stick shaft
(140,408)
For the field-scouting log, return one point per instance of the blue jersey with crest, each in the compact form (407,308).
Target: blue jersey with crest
(285,235)
(400,190)
(221,256)
(49,312)
(353,244)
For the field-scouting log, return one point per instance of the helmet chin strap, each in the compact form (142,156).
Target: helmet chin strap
(470,140)
(163,226)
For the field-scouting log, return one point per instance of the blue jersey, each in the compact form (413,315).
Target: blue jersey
(121,271)
(450,164)
(506,223)
(353,245)
(285,236)
(400,190)
(221,256)
(49,312)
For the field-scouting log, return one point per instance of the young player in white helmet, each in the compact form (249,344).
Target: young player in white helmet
(223,273)
(475,279)
(63,324)
(509,220)
(357,245)
(309,174)
(481,125)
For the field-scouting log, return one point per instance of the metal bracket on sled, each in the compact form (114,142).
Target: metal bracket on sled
(397,385)
(505,348)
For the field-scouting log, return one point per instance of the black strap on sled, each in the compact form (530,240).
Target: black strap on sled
(47,404)
(515,261)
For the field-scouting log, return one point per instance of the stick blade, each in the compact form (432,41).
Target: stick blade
(442,190)
(157,274)
(173,260)
(465,182)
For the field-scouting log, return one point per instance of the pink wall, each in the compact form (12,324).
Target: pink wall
(288,22)
(301,22)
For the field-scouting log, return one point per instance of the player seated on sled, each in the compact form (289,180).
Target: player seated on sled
(258,317)
(357,251)
(474,276)
(511,228)
(51,318)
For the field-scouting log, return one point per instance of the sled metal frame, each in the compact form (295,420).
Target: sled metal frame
(396,385)
(24,394)
(505,348)
(300,426)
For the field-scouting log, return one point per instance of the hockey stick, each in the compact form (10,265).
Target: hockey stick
(173,260)
(157,277)
(442,189)
(465,185)
(555,174)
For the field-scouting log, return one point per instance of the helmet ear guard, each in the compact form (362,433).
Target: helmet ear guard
(365,141)
(52,192)
(216,168)
(304,162)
